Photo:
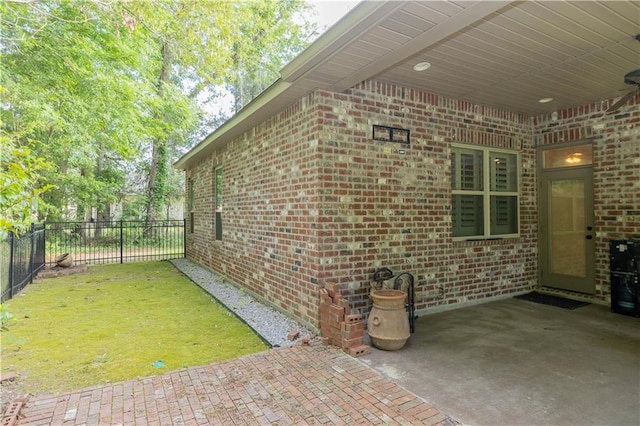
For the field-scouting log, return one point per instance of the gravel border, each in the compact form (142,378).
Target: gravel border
(270,324)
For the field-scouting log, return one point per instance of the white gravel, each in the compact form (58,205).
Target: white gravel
(272,325)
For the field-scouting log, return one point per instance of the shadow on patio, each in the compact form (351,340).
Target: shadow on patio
(517,362)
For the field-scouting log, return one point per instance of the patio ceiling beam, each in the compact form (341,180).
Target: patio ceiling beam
(466,17)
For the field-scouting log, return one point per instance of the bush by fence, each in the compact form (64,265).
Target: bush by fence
(22,256)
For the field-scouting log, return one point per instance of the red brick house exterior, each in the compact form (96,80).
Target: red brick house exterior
(308,196)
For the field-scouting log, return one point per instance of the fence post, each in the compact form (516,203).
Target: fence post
(44,243)
(121,242)
(11,239)
(184,236)
(33,249)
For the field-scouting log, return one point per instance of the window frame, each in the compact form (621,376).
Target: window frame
(190,202)
(486,192)
(217,201)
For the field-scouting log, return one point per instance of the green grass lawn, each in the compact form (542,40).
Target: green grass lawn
(116,322)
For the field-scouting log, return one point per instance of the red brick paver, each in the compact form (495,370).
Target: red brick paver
(296,385)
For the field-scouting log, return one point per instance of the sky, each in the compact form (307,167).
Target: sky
(330,11)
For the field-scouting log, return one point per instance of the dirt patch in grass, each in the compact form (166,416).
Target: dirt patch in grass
(116,322)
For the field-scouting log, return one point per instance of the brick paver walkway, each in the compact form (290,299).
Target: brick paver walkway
(297,385)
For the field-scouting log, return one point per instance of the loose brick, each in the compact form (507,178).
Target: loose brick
(353,327)
(353,318)
(351,343)
(359,350)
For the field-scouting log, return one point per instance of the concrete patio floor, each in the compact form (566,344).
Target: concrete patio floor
(516,362)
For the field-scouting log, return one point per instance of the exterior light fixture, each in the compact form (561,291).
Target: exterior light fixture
(545,100)
(575,158)
(422,66)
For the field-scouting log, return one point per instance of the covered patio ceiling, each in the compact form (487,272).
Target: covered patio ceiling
(505,54)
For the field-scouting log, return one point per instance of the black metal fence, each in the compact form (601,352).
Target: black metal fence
(22,256)
(115,241)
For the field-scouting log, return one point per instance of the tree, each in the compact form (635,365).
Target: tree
(98,85)
(70,88)
(202,45)
(21,188)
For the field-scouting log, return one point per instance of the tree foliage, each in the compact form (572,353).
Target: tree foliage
(101,89)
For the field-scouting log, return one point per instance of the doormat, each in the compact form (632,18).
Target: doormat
(548,299)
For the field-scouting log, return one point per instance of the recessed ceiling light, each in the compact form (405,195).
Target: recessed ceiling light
(421,66)
(545,100)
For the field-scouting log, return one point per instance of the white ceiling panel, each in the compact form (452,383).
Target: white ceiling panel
(575,51)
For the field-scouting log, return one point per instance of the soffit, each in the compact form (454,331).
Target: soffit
(497,53)
(503,54)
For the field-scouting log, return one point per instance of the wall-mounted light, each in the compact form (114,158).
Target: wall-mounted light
(575,158)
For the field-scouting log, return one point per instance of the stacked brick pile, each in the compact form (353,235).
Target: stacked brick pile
(337,325)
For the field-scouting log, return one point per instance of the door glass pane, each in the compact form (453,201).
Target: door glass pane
(567,157)
(468,219)
(567,227)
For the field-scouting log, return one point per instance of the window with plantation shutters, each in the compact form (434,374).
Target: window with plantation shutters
(484,184)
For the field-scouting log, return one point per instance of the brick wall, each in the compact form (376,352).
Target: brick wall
(616,170)
(310,198)
(389,205)
(270,184)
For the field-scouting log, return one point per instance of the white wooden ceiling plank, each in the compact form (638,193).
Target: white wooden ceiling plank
(468,45)
(506,47)
(471,76)
(621,17)
(445,9)
(407,23)
(589,24)
(388,36)
(513,23)
(580,76)
(451,58)
(628,12)
(533,44)
(365,50)
(557,82)
(613,62)
(352,61)
(560,27)
(426,10)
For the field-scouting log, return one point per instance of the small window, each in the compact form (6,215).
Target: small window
(570,156)
(190,204)
(218,206)
(484,184)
